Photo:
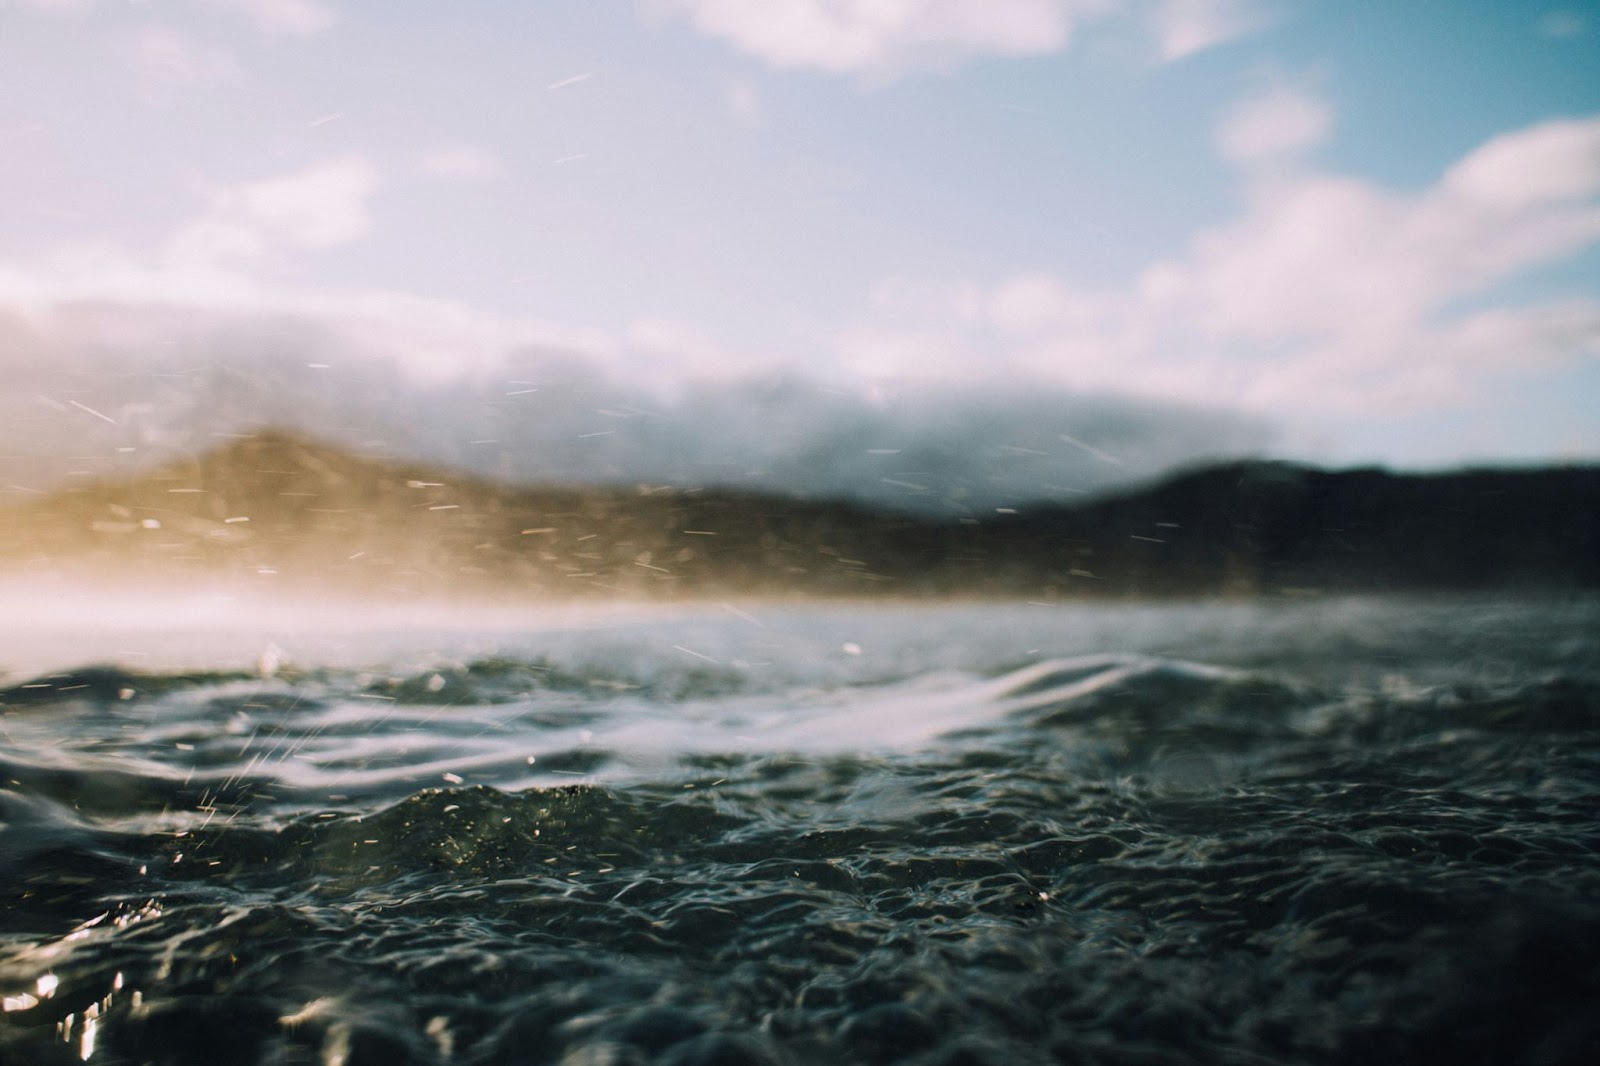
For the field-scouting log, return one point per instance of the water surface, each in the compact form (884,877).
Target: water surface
(1354,830)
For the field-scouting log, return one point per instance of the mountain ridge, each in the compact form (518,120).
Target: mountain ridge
(277,509)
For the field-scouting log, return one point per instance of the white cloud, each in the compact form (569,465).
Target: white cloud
(321,206)
(108,299)
(168,60)
(883,38)
(1327,294)
(293,17)
(1185,27)
(1549,163)
(462,162)
(1277,126)
(1323,253)
(208,279)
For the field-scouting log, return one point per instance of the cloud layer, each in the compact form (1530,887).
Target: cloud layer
(1184,27)
(321,206)
(882,39)
(552,414)
(1327,293)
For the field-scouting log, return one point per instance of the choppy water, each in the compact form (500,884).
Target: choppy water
(1354,831)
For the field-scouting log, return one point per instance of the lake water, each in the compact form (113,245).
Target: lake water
(1353,830)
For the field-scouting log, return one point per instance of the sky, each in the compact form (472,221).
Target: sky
(940,252)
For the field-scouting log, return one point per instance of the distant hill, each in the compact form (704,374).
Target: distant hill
(276,510)
(1263,526)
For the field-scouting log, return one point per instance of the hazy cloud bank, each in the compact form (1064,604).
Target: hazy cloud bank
(83,404)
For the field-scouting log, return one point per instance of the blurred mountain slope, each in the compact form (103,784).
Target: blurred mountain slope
(278,510)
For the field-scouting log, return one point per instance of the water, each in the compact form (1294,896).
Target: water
(1344,831)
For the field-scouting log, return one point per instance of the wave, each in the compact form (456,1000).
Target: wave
(589,852)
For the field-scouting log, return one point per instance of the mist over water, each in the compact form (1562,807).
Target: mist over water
(1331,831)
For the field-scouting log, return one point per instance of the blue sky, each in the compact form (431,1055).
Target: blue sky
(1341,232)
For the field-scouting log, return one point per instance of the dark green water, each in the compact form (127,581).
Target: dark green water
(1356,832)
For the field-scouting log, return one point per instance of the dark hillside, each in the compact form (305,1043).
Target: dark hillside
(276,510)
